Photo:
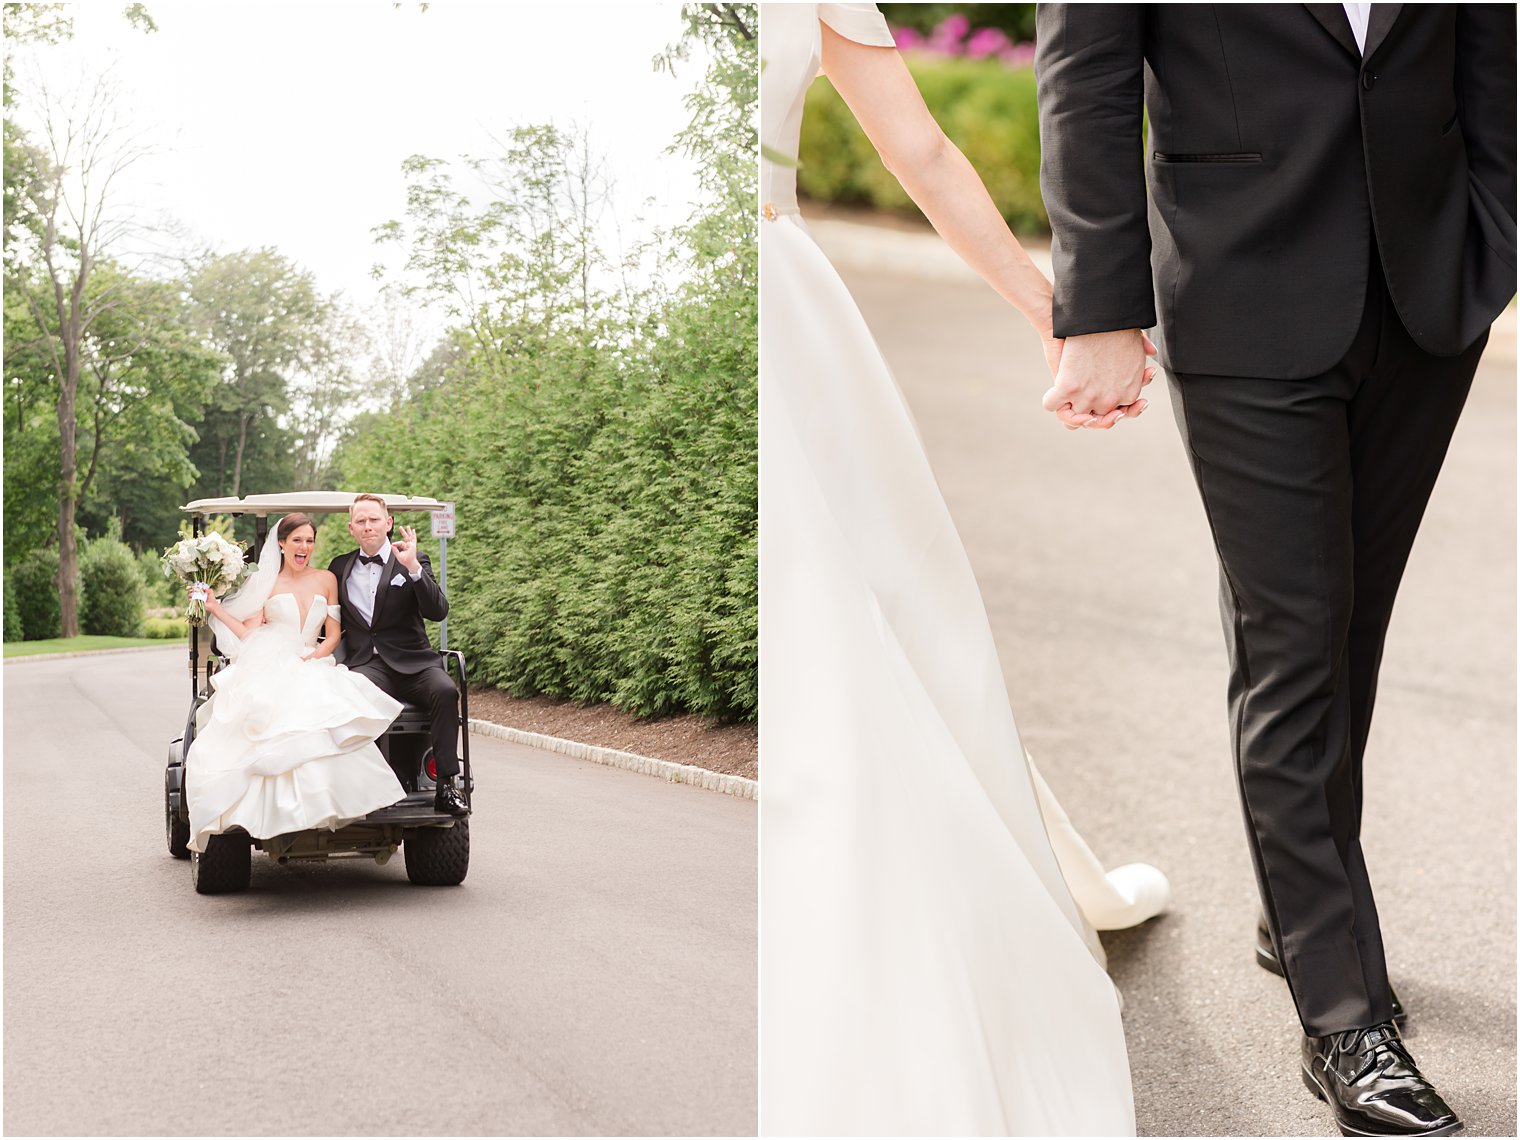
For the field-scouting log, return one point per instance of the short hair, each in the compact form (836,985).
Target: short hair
(367,498)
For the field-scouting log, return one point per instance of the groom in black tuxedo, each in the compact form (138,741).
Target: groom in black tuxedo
(1329,232)
(385,590)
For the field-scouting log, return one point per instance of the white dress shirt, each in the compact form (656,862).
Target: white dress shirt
(1357,14)
(364,583)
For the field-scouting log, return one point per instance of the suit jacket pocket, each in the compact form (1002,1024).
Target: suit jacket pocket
(1238,156)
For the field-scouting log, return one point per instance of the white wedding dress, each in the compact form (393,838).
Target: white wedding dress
(923,966)
(287,743)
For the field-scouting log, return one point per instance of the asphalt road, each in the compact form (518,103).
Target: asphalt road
(594,974)
(1095,562)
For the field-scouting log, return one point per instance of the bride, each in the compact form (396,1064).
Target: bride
(287,741)
(927,957)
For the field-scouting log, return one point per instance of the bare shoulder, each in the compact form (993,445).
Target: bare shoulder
(327,582)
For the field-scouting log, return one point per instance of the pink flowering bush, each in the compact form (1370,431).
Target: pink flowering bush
(954,37)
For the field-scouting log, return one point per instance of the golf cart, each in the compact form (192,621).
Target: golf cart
(436,845)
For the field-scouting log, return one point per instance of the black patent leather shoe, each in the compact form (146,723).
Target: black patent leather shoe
(448,800)
(1266,958)
(1370,1082)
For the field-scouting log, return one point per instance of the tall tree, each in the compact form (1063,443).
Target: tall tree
(76,156)
(264,314)
(328,394)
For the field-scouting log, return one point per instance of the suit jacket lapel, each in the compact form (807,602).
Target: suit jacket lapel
(1378,25)
(1333,18)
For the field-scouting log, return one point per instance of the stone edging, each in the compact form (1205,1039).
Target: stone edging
(96,652)
(670,771)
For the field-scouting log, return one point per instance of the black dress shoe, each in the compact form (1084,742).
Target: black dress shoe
(1266,958)
(448,800)
(1371,1084)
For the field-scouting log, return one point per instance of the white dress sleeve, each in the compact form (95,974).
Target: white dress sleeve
(859,22)
(335,612)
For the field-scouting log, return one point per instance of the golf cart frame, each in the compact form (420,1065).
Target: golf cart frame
(436,845)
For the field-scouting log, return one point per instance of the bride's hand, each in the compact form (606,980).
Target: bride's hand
(1051,345)
(1042,316)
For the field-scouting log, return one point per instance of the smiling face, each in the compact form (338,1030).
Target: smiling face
(369,523)
(297,546)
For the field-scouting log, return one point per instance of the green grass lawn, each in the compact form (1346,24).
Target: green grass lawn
(75,644)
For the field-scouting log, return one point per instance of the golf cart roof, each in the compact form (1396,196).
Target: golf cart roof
(307,502)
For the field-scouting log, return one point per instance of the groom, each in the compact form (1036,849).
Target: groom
(385,589)
(1329,232)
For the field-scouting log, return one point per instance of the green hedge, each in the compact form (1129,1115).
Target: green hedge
(34,580)
(166,628)
(986,108)
(158,590)
(111,590)
(13,628)
(607,519)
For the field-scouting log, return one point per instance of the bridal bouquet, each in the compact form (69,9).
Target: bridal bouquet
(210,564)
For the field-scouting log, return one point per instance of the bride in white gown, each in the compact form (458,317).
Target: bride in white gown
(287,741)
(924,968)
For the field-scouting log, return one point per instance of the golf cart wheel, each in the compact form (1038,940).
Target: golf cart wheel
(438,856)
(226,865)
(176,830)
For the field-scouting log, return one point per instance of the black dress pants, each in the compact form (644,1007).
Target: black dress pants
(434,690)
(1314,490)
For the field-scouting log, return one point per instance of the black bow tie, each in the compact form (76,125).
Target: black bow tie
(371,559)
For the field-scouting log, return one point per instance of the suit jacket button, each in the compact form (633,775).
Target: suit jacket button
(1368,79)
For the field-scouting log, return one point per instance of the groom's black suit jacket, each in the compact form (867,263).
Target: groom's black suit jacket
(1277,155)
(397,634)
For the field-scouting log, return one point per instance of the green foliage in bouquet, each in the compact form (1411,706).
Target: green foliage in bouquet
(34,582)
(985,107)
(594,421)
(111,586)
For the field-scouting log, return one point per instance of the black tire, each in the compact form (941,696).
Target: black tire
(225,866)
(176,830)
(438,856)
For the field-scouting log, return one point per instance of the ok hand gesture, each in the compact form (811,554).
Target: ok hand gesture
(405,549)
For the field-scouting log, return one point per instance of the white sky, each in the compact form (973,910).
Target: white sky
(286,124)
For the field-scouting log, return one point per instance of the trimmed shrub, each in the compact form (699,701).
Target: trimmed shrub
(111,590)
(166,628)
(13,630)
(986,108)
(158,589)
(34,583)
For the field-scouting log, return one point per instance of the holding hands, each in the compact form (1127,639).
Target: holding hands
(1098,378)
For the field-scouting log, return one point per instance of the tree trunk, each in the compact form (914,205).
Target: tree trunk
(68,498)
(237,470)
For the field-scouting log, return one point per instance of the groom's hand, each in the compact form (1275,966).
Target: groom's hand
(1100,378)
(405,549)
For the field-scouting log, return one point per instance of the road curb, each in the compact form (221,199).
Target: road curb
(667,770)
(94,652)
